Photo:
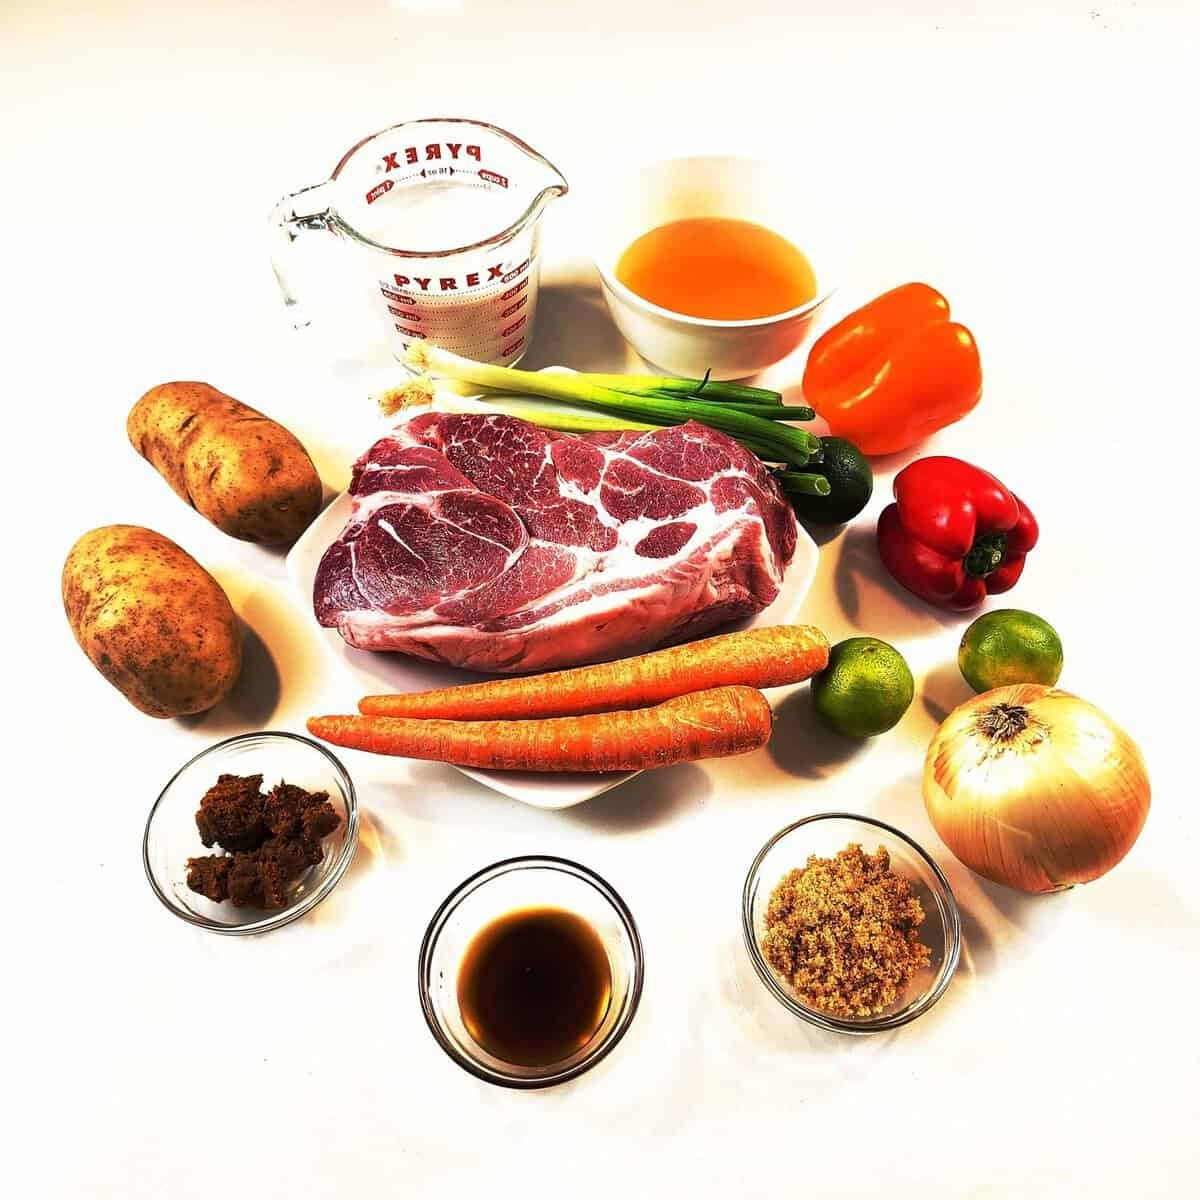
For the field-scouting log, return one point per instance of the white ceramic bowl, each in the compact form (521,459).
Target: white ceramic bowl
(743,188)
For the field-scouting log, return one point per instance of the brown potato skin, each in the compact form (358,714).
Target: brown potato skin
(242,471)
(153,621)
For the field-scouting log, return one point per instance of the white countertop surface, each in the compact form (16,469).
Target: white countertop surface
(1033,164)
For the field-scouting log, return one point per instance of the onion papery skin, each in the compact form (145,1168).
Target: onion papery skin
(1055,803)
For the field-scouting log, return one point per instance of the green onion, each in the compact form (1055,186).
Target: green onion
(769,439)
(768,412)
(802,483)
(699,389)
(564,419)
(775,412)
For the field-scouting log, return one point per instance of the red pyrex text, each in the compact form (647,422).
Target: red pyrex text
(430,153)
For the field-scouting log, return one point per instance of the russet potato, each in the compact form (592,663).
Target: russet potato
(152,620)
(245,473)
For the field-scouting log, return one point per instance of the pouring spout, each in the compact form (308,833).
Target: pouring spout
(552,191)
(548,181)
(553,185)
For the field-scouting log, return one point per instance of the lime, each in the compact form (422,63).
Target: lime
(850,485)
(866,688)
(1007,646)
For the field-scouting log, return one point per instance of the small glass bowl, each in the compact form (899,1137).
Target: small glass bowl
(518,883)
(824,835)
(172,838)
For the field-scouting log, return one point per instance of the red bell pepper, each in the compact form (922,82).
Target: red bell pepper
(955,533)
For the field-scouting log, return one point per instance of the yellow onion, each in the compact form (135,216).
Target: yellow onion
(1034,788)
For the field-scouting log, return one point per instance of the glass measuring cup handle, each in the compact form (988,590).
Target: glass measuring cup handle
(303,211)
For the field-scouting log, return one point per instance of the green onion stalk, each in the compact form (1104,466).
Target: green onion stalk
(752,418)
(670,387)
(802,483)
(550,416)
(708,389)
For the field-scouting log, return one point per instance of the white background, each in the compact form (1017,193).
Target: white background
(1032,160)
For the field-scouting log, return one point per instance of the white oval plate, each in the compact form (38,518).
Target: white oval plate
(374,671)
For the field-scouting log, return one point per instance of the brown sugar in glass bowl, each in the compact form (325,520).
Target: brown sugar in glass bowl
(844,932)
(172,836)
(918,984)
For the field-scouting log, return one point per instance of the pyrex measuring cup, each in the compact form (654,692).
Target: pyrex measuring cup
(443,215)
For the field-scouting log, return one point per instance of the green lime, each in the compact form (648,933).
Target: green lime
(1007,646)
(850,485)
(866,688)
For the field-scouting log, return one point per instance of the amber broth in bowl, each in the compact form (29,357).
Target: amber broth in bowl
(718,268)
(718,236)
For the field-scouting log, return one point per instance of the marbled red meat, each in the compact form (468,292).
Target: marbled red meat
(489,543)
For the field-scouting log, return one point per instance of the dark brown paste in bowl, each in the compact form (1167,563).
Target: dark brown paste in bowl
(270,839)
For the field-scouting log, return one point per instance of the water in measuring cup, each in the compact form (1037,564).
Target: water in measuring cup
(438,220)
(440,215)
(477,303)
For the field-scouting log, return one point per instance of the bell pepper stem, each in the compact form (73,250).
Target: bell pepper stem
(985,555)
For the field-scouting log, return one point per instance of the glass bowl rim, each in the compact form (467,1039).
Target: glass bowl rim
(306,903)
(525,862)
(951,920)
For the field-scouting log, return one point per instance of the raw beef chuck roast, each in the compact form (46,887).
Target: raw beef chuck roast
(489,543)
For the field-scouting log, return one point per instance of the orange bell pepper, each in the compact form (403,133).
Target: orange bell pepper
(894,371)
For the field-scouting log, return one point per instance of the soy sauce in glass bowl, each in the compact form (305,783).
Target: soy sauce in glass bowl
(530,972)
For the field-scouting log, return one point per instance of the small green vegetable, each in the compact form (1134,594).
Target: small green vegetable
(865,689)
(1007,646)
(699,389)
(850,484)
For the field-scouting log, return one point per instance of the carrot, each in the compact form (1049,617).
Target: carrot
(709,724)
(756,658)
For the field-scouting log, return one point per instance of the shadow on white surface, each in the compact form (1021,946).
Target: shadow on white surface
(378,846)
(802,744)
(378,849)
(255,695)
(437,794)
(653,798)
(338,928)
(822,535)
(433,793)
(944,689)
(872,600)
(279,659)
(574,328)
(887,465)
(767,1031)
(999,924)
